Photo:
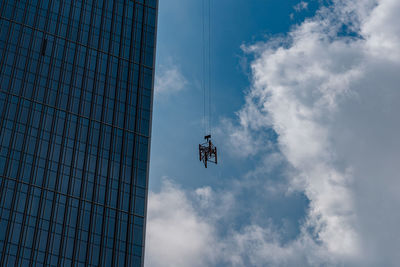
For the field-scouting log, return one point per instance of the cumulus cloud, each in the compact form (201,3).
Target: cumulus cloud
(177,235)
(184,229)
(333,101)
(169,79)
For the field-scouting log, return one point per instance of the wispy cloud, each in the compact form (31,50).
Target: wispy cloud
(301,6)
(169,79)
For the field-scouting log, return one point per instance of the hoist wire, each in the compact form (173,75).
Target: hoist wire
(204,67)
(209,65)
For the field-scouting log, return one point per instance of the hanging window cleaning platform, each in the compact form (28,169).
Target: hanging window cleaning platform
(207,151)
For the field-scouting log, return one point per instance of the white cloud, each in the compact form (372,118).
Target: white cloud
(177,235)
(169,79)
(334,103)
(301,6)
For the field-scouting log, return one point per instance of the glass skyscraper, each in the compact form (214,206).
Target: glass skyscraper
(76,88)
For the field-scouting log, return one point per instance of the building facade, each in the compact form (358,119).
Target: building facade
(76,89)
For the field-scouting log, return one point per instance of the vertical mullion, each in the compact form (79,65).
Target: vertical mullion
(123,137)
(77,131)
(149,134)
(7,164)
(132,189)
(7,92)
(130,62)
(136,129)
(109,59)
(38,218)
(65,126)
(10,29)
(87,55)
(96,174)
(6,109)
(141,85)
(48,151)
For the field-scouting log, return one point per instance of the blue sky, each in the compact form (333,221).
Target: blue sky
(304,119)
(177,115)
(177,126)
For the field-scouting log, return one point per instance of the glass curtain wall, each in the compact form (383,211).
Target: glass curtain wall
(76,88)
